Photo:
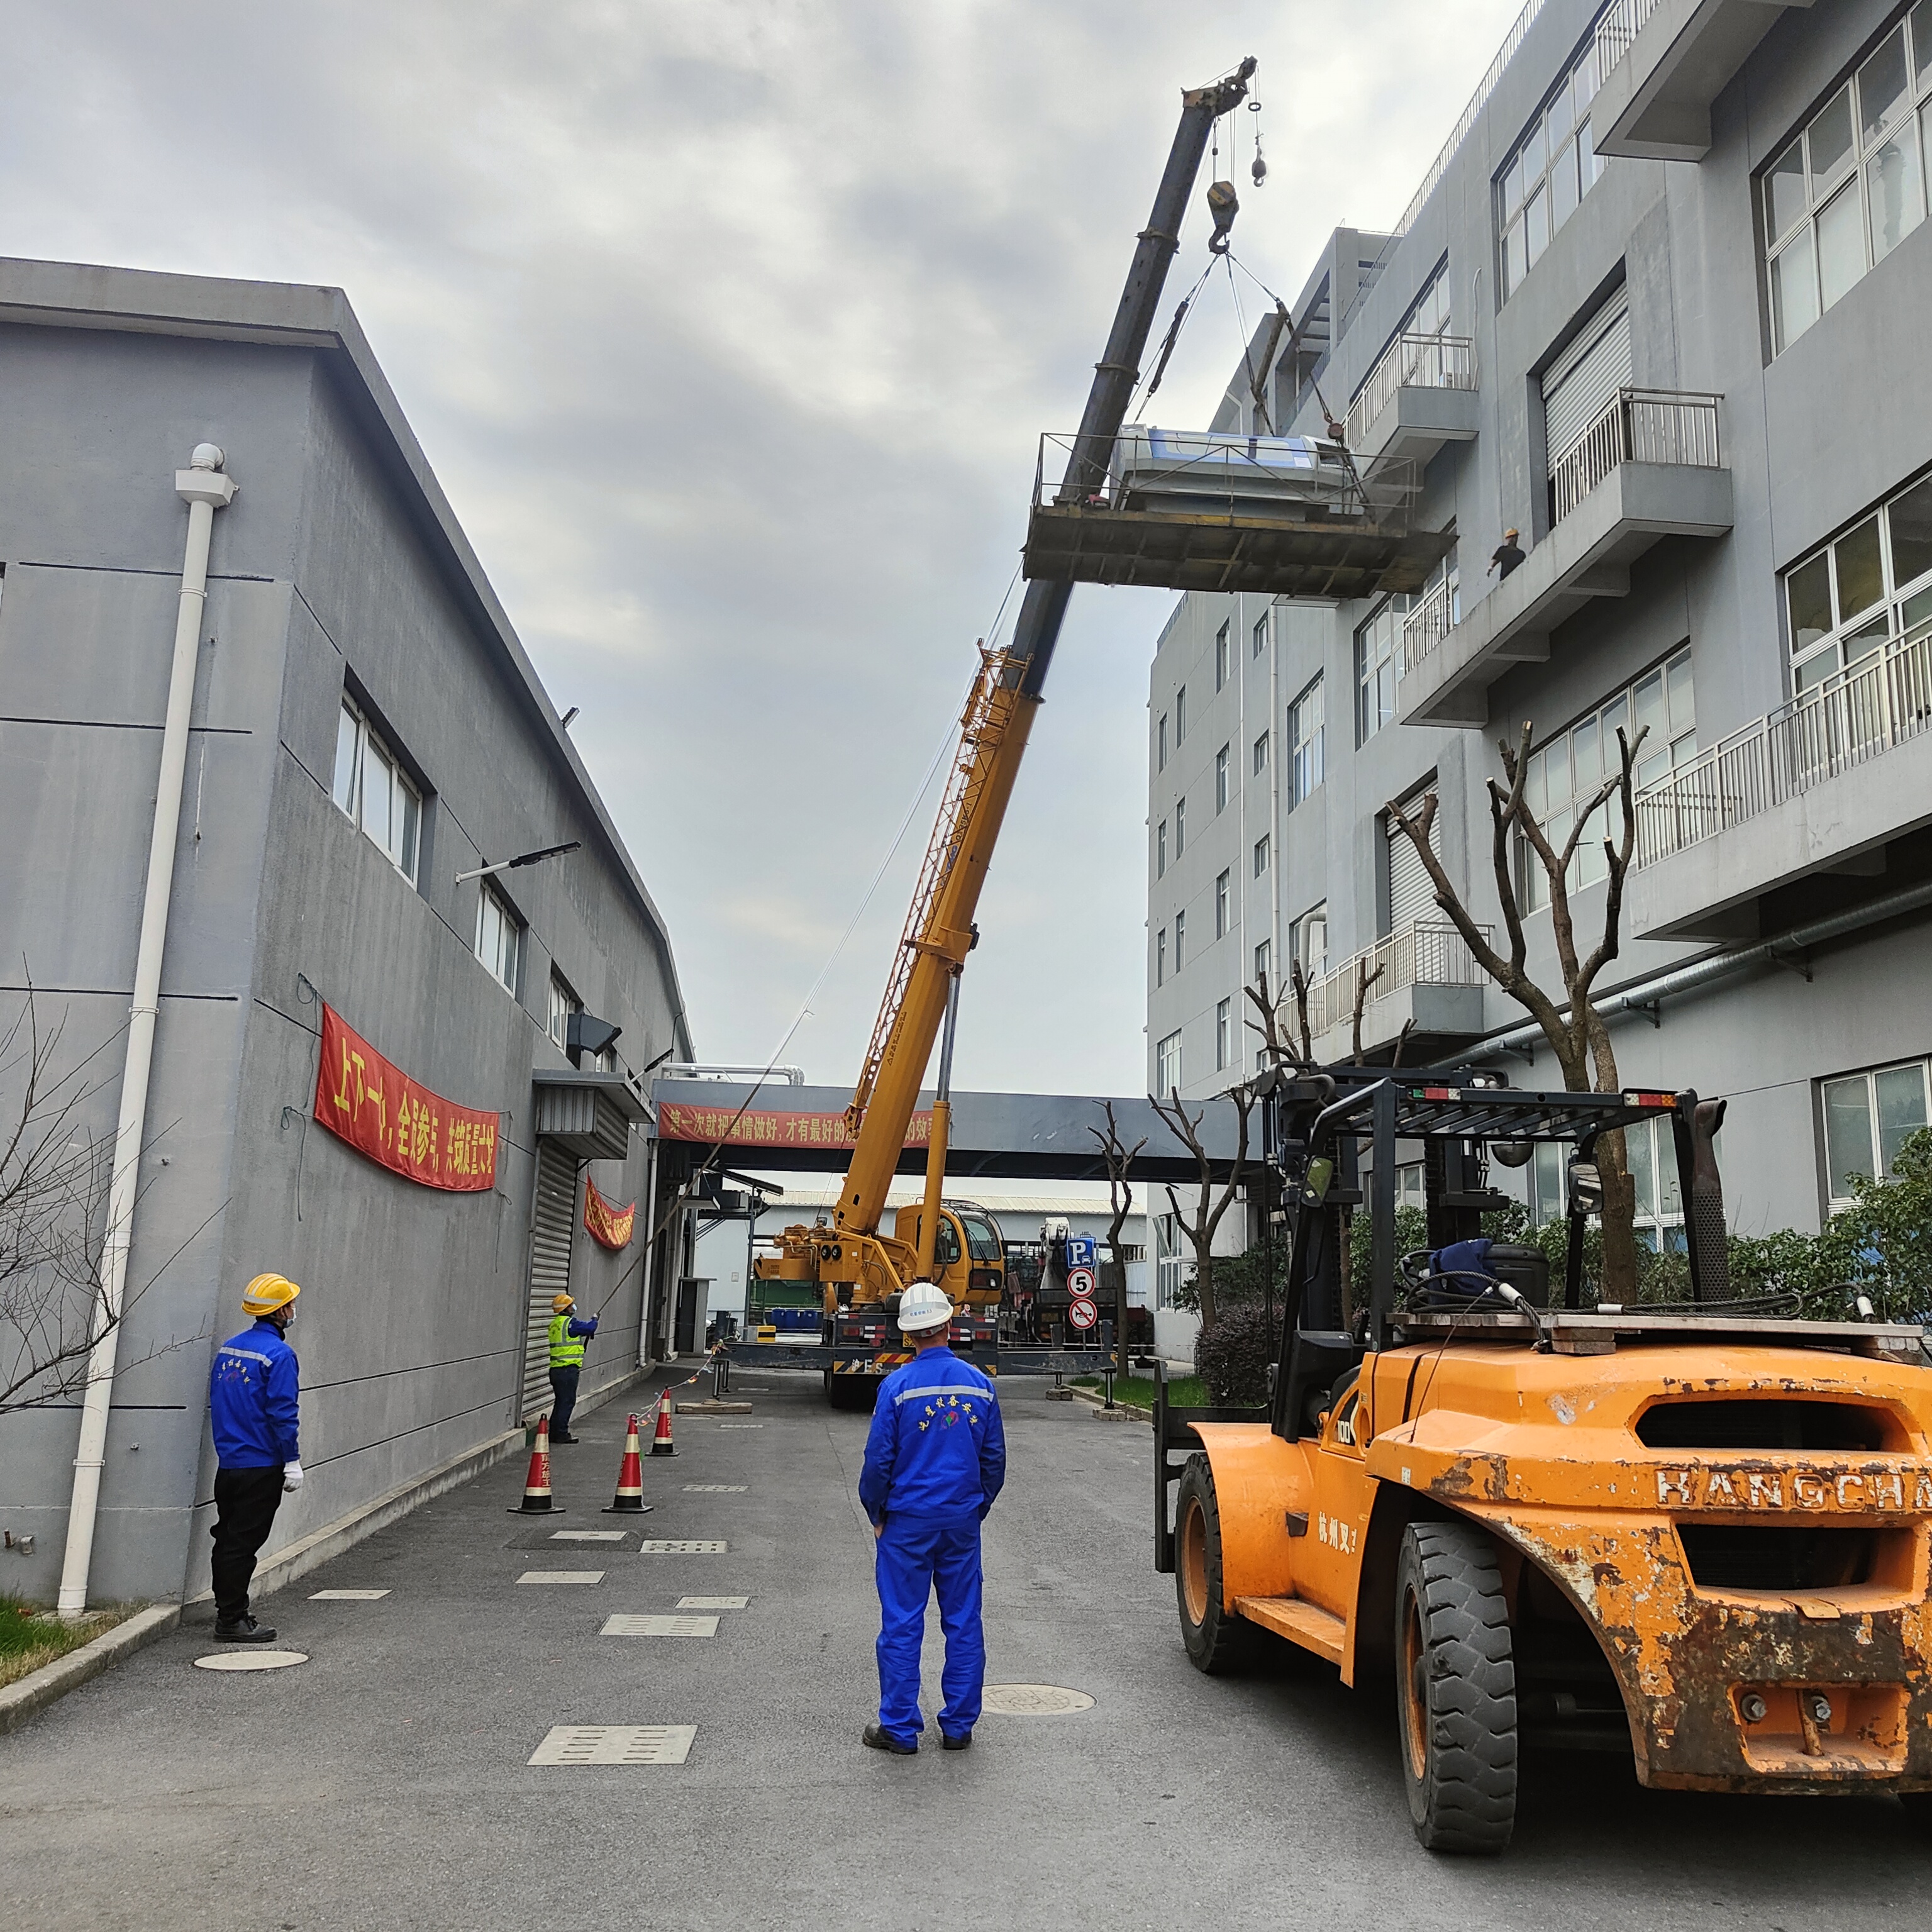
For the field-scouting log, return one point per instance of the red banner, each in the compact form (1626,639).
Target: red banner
(610,1225)
(380,1111)
(680,1121)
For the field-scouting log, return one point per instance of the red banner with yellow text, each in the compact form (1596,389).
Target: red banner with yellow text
(680,1121)
(380,1111)
(610,1225)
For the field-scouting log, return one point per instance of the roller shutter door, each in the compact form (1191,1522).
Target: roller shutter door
(1578,385)
(553,1227)
(1411,892)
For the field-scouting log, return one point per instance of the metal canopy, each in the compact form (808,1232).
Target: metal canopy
(1423,1108)
(588,1115)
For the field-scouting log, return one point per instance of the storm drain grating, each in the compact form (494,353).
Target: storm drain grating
(713,1603)
(561,1576)
(347,1596)
(716,1488)
(679,1546)
(653,1626)
(616,1744)
(741,1425)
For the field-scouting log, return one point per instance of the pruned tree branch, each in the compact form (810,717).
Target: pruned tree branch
(1118,1157)
(1209,1208)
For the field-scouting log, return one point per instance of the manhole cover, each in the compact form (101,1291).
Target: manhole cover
(678,1546)
(616,1744)
(585,1536)
(347,1596)
(629,1626)
(1033,1700)
(713,1603)
(716,1488)
(251,1660)
(561,1576)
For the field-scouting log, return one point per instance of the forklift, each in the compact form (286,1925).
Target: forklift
(1696,1531)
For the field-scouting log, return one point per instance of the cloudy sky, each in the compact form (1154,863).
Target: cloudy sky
(729,326)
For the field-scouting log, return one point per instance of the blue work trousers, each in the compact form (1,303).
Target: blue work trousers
(917,1556)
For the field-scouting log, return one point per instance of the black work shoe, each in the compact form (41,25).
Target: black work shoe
(248,1630)
(879,1740)
(555,1439)
(962,1742)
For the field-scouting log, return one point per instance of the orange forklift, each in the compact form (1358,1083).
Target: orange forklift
(1697,1531)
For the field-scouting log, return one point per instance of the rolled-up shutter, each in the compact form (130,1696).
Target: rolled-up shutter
(1578,386)
(1411,891)
(553,1228)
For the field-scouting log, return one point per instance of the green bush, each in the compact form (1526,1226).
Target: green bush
(1232,1358)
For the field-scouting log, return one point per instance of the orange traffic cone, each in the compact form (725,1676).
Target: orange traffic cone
(536,1484)
(629,1500)
(660,1442)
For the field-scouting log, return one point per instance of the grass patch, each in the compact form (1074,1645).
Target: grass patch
(1183,1391)
(30,1638)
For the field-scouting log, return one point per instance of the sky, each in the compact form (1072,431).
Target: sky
(730,327)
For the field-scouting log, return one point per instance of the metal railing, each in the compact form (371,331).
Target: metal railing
(1855,716)
(1616,30)
(1411,362)
(1426,953)
(1635,426)
(1427,625)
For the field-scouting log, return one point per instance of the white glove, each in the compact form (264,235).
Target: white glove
(292,1478)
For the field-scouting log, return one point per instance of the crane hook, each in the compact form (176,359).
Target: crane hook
(1223,204)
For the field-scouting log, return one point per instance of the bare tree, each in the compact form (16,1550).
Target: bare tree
(1210,1205)
(1295,1050)
(1118,1157)
(1573,1026)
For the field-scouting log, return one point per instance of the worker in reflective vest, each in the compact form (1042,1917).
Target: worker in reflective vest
(568,1335)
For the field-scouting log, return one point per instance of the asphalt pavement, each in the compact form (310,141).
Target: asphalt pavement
(386,1782)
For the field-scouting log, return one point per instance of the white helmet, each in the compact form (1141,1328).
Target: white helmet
(922,1307)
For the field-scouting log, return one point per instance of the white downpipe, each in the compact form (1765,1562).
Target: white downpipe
(204,489)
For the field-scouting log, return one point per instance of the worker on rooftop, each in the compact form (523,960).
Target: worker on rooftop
(934,1461)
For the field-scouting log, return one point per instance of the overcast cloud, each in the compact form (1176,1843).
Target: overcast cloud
(729,326)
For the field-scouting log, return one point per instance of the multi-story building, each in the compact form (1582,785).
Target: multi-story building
(1653,307)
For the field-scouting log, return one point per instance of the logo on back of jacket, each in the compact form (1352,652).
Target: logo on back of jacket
(949,1410)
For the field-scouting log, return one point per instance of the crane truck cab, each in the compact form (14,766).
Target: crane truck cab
(1697,1532)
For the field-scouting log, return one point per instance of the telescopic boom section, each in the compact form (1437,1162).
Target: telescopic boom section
(999,715)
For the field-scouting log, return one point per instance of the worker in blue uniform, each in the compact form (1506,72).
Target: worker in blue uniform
(252,1390)
(934,1461)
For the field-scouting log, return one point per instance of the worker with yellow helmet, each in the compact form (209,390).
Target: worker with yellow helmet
(569,1333)
(252,1391)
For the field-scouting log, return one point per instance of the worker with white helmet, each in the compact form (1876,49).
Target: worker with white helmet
(934,1461)
(252,1391)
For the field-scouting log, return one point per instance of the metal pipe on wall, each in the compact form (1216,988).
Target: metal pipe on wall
(204,489)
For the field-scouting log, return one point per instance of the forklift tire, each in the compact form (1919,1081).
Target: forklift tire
(1218,1640)
(854,1393)
(1455,1689)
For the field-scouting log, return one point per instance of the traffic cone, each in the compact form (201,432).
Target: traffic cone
(660,1442)
(629,1500)
(536,1484)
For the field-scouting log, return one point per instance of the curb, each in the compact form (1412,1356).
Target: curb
(1097,1402)
(19,1702)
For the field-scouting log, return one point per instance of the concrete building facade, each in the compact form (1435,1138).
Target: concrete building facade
(1653,307)
(365,726)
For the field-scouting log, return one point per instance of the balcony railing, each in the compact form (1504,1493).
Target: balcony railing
(1428,953)
(1635,426)
(1857,714)
(1411,362)
(1617,29)
(1428,624)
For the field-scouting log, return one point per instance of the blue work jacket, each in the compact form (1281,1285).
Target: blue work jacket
(937,1447)
(251,1400)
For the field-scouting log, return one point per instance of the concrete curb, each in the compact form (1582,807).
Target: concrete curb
(1096,1400)
(19,1702)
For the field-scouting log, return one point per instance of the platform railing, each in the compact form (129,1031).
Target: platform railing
(1411,362)
(1425,627)
(1635,426)
(1856,716)
(1426,952)
(1615,30)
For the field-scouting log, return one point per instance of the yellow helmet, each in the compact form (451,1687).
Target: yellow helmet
(559,1303)
(267,1292)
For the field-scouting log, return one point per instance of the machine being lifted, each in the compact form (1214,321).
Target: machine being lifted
(1698,1533)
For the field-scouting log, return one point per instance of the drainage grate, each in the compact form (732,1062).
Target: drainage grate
(678,1546)
(561,1576)
(585,1536)
(741,1425)
(251,1660)
(716,1488)
(347,1596)
(627,1626)
(1033,1700)
(713,1603)
(616,1744)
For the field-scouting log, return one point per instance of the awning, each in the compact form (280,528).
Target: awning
(588,1115)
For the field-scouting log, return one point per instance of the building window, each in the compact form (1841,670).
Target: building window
(1260,855)
(1224,1034)
(1868,1116)
(1409,1185)
(1551,168)
(1261,754)
(1179,826)
(1378,666)
(1221,899)
(1261,634)
(1167,1071)
(1564,773)
(498,935)
(1221,781)
(1167,1254)
(1308,942)
(1220,657)
(1160,850)
(1850,187)
(1651,1147)
(1263,960)
(1160,957)
(1180,938)
(1305,743)
(562,1003)
(1869,586)
(1160,741)
(1180,715)
(375,793)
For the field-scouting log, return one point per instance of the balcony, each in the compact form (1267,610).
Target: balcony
(1649,466)
(1661,63)
(1818,784)
(1428,976)
(1420,394)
